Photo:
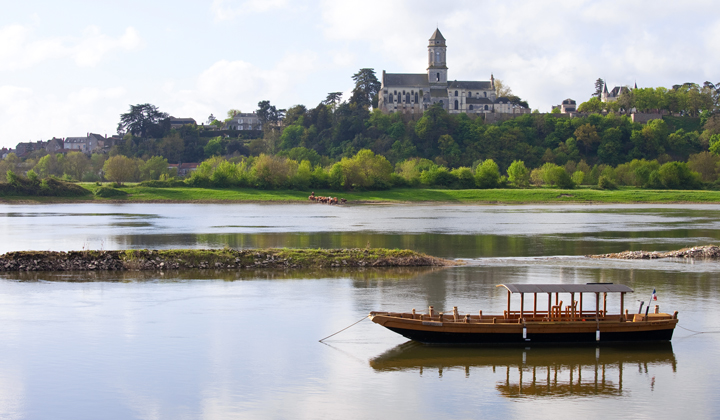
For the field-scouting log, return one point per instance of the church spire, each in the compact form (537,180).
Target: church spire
(437,64)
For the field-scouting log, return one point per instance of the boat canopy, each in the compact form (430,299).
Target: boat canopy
(567,288)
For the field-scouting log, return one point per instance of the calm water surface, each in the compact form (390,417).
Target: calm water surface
(216,345)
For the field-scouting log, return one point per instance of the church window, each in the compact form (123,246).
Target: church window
(471,107)
(407,98)
(456,93)
(442,104)
(469,94)
(416,97)
(456,104)
(486,107)
(437,57)
(391,97)
(437,78)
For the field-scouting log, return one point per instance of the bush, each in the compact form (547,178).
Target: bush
(169,183)
(605,183)
(107,192)
(51,187)
(487,174)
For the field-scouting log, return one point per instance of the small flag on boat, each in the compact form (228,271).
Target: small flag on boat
(654,295)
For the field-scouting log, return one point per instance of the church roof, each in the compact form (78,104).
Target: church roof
(478,101)
(502,100)
(470,85)
(437,36)
(438,93)
(405,80)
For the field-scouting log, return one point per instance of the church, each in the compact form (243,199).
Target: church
(416,92)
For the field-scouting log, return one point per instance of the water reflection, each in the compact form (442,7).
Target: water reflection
(547,371)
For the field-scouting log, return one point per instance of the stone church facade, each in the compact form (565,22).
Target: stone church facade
(416,92)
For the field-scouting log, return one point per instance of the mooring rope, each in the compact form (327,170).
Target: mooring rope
(699,332)
(355,323)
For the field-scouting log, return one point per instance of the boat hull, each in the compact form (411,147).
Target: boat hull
(434,332)
(440,337)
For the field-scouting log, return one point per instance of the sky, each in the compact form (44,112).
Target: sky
(72,67)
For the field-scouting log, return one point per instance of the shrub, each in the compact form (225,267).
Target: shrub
(487,174)
(107,192)
(605,183)
(518,174)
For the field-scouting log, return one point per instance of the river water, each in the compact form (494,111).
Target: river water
(226,344)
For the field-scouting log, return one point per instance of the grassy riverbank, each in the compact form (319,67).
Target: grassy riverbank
(139,194)
(178,259)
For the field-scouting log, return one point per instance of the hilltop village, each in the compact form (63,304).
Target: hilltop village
(406,130)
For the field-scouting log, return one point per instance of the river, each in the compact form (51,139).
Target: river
(226,344)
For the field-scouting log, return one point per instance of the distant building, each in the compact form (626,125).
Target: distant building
(567,106)
(614,94)
(416,92)
(183,169)
(244,121)
(5,151)
(179,122)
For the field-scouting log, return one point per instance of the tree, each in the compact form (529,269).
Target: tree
(211,119)
(153,168)
(706,164)
(139,120)
(75,164)
(588,137)
(269,113)
(599,83)
(487,174)
(214,147)
(593,105)
(518,174)
(366,88)
(501,89)
(333,98)
(120,169)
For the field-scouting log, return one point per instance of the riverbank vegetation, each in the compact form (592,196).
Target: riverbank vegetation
(349,146)
(227,258)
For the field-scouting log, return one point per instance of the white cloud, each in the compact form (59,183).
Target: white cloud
(241,85)
(230,9)
(75,114)
(19,49)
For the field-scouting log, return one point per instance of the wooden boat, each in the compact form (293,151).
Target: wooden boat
(570,323)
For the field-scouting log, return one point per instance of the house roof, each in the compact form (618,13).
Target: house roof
(568,101)
(470,85)
(405,80)
(76,139)
(502,100)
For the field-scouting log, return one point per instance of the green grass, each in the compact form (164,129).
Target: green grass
(138,193)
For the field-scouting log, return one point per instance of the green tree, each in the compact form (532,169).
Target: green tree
(593,105)
(518,174)
(153,168)
(76,164)
(487,174)
(139,120)
(214,147)
(599,83)
(120,169)
(367,86)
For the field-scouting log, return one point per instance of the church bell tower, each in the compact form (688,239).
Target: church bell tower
(437,64)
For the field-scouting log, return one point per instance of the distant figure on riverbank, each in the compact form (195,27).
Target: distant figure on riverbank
(325,200)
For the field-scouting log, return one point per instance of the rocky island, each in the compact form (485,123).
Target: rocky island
(706,251)
(226,258)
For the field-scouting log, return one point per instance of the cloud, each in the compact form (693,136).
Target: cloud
(230,9)
(241,85)
(545,50)
(19,49)
(88,109)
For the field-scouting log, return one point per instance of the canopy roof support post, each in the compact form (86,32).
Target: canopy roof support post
(508,309)
(597,305)
(604,303)
(581,296)
(572,305)
(549,304)
(557,298)
(534,305)
(622,304)
(522,304)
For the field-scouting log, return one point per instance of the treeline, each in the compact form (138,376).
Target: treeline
(368,171)
(688,99)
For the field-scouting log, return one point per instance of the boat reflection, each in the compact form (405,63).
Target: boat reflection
(547,371)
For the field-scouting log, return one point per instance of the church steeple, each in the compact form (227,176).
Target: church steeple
(437,64)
